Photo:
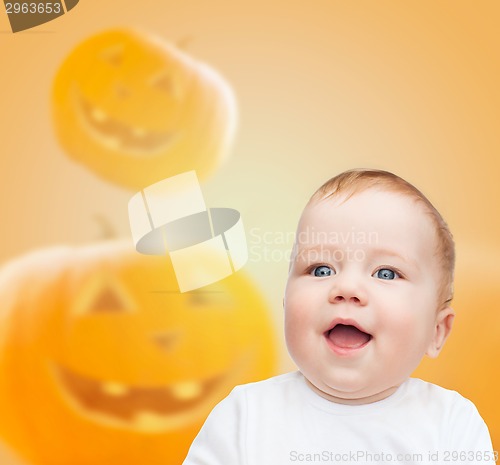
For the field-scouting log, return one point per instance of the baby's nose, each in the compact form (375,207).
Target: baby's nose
(347,292)
(341,298)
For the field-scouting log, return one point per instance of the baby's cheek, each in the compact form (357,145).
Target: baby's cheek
(294,321)
(411,337)
(301,323)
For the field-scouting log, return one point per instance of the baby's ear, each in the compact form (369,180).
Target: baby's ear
(442,329)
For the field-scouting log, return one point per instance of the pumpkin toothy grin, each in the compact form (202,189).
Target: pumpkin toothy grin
(145,408)
(119,136)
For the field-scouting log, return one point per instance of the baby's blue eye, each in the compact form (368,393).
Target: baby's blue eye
(386,273)
(321,271)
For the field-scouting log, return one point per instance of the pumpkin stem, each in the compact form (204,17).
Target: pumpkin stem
(107,229)
(183,43)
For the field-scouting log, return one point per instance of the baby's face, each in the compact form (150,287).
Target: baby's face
(362,295)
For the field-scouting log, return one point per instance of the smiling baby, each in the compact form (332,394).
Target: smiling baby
(368,296)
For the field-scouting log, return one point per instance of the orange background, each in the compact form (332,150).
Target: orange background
(322,86)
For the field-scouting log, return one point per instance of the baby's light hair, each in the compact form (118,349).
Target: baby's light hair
(358,180)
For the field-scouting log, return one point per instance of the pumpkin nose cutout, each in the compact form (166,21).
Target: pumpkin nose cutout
(121,91)
(166,340)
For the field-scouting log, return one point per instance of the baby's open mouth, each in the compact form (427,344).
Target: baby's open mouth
(347,336)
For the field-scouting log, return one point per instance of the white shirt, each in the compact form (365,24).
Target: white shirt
(282,421)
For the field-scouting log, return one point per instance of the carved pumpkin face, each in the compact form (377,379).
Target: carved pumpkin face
(136,110)
(104,354)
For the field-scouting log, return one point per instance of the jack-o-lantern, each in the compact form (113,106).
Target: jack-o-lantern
(103,361)
(469,361)
(135,109)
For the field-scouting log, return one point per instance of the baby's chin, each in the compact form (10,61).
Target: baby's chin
(352,396)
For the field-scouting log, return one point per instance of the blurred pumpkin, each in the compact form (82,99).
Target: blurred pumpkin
(135,109)
(469,360)
(103,361)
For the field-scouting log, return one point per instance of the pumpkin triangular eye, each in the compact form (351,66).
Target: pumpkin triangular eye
(103,294)
(113,55)
(107,300)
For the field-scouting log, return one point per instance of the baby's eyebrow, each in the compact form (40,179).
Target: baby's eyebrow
(313,253)
(302,249)
(318,253)
(380,251)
